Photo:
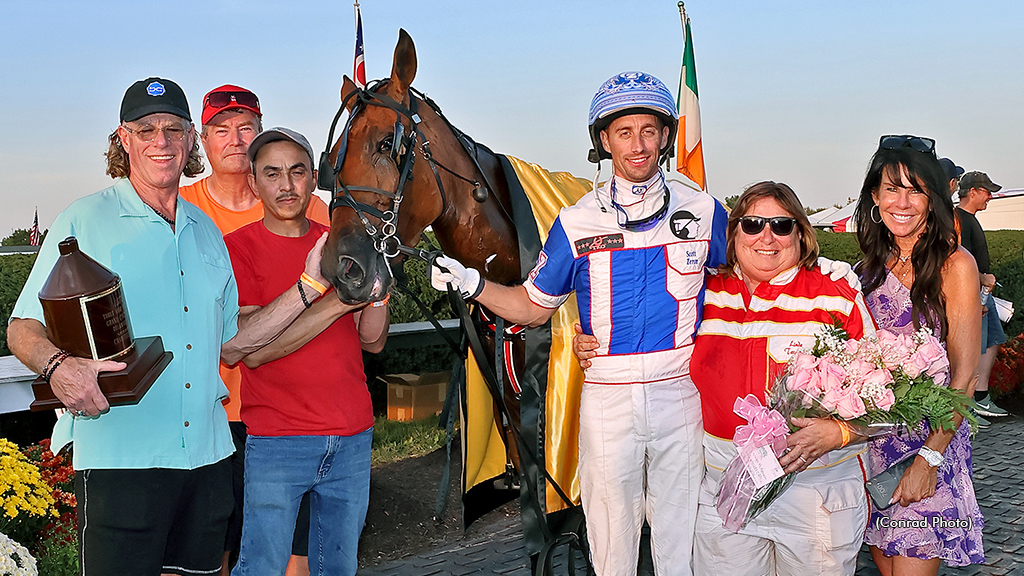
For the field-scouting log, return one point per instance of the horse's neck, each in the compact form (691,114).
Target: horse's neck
(480,234)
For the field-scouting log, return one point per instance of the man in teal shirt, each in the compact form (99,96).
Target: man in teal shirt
(153,482)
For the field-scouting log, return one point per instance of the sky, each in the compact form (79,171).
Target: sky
(791,91)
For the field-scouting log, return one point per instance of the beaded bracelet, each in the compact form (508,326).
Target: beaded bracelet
(46,368)
(53,367)
(302,294)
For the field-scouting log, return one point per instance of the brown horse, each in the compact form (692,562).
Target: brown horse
(402,167)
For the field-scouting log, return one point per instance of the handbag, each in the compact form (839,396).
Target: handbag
(881,486)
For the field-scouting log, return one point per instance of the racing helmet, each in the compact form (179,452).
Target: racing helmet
(630,93)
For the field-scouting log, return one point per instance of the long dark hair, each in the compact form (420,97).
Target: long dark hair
(936,243)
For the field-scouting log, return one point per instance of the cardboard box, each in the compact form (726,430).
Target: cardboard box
(411,397)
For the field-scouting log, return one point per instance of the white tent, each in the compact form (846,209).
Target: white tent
(839,219)
(1005,211)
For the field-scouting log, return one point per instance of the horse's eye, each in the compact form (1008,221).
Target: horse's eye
(386,145)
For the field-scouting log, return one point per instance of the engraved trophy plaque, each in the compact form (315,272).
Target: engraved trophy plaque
(84,313)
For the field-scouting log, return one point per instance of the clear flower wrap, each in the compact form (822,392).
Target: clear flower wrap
(874,385)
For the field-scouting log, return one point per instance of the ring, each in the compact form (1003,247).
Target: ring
(804,460)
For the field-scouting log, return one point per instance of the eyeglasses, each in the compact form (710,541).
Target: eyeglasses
(894,142)
(147,132)
(222,99)
(780,225)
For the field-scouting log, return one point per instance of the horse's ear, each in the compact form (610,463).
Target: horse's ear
(347,88)
(404,68)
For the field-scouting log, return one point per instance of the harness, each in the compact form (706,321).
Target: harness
(403,152)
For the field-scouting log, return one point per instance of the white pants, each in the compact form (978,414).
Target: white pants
(640,457)
(815,527)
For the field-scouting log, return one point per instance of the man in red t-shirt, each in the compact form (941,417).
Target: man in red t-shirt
(304,396)
(231,119)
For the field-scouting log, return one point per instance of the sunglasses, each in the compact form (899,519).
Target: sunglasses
(222,99)
(780,225)
(894,142)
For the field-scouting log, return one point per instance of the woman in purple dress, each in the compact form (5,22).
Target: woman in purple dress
(915,275)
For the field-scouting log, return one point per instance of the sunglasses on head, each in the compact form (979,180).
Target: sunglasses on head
(222,99)
(780,225)
(894,142)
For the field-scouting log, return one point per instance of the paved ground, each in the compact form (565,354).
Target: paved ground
(998,481)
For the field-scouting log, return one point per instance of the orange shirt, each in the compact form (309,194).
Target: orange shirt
(227,221)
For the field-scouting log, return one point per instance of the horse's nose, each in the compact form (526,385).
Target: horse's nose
(350,272)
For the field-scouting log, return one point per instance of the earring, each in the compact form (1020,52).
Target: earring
(871,214)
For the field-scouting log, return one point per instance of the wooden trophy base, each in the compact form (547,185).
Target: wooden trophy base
(124,387)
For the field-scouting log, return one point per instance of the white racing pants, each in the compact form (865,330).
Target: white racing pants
(815,527)
(640,457)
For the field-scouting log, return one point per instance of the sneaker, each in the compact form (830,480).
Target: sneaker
(982,422)
(988,408)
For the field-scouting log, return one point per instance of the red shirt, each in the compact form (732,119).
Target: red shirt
(745,340)
(320,389)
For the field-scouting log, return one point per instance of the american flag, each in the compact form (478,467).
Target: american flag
(359,68)
(33,235)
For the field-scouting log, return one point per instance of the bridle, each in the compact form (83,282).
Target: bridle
(403,152)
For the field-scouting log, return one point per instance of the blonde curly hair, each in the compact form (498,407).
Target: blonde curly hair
(117,158)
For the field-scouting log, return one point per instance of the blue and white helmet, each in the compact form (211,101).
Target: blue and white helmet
(630,93)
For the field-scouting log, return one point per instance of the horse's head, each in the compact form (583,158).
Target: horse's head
(375,147)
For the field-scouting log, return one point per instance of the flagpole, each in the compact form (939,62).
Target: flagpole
(682,21)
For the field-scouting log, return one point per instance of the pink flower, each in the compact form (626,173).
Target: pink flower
(877,376)
(802,361)
(852,346)
(885,400)
(850,406)
(930,358)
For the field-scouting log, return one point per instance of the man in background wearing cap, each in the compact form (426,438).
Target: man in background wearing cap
(304,396)
(154,482)
(976,190)
(231,119)
(953,173)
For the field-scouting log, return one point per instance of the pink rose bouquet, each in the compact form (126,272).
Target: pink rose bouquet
(873,385)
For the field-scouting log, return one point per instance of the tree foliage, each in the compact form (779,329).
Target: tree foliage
(20,237)
(14,269)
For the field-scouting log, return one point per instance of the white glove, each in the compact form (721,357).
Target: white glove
(838,270)
(466,280)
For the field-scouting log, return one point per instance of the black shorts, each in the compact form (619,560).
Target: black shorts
(233,543)
(153,520)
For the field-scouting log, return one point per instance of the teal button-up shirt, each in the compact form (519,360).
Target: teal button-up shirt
(178,285)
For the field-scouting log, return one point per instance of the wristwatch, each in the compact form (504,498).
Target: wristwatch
(933,458)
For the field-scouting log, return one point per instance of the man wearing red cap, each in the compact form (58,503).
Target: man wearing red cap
(231,119)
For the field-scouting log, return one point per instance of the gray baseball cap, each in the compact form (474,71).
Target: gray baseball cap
(978,180)
(279,133)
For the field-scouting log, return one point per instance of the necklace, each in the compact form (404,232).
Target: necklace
(160,214)
(903,262)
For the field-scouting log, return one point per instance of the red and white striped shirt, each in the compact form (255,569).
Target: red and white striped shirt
(746,339)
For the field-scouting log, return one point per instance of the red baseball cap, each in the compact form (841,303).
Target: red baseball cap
(229,97)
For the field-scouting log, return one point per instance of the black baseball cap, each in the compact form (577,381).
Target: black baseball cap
(152,96)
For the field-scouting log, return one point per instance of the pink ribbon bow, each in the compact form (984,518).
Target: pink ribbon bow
(766,427)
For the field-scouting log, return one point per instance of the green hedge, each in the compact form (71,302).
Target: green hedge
(1005,248)
(14,269)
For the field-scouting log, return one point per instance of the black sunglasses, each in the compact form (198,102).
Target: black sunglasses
(222,99)
(894,142)
(780,225)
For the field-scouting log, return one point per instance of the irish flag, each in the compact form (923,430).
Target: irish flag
(689,153)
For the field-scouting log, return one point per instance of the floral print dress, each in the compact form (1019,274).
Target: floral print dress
(948,524)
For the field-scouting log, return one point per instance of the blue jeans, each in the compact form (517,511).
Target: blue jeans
(335,470)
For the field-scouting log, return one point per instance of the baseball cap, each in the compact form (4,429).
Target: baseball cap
(950,168)
(273,135)
(977,179)
(152,96)
(229,97)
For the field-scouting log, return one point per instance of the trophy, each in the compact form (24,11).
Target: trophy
(85,315)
